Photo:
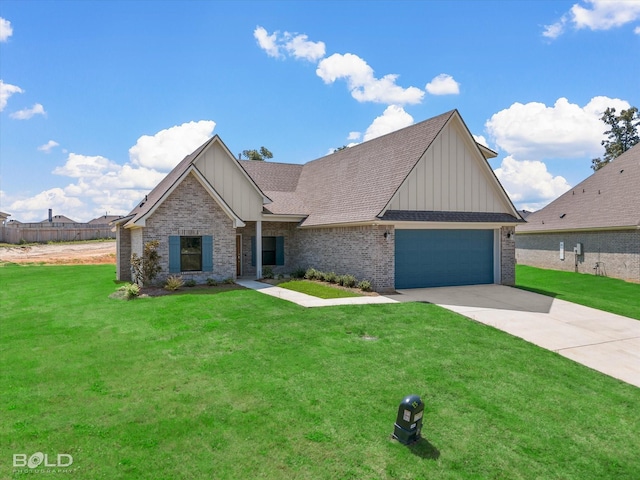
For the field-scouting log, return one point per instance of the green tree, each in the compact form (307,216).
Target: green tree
(339,148)
(622,135)
(260,155)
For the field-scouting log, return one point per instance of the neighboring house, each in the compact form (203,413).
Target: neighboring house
(3,217)
(416,207)
(59,220)
(592,228)
(104,220)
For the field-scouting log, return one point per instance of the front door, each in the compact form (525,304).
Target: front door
(238,255)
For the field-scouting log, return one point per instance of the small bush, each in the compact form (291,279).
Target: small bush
(212,282)
(298,273)
(173,283)
(365,285)
(190,283)
(331,277)
(349,281)
(267,272)
(130,291)
(311,274)
(228,281)
(280,276)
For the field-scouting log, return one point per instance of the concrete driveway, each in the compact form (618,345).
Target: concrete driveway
(602,341)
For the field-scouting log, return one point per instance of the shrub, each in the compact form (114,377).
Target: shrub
(190,283)
(130,290)
(173,283)
(146,269)
(365,285)
(349,281)
(212,282)
(331,277)
(267,272)
(311,274)
(298,273)
(228,281)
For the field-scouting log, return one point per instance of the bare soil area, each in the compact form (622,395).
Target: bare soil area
(80,253)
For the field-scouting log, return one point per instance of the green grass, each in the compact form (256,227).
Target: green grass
(604,293)
(316,289)
(244,385)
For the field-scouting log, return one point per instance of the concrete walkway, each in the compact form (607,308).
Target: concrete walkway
(603,341)
(305,300)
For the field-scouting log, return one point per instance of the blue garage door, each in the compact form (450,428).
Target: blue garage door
(439,258)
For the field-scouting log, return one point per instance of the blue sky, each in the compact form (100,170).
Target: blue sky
(99,100)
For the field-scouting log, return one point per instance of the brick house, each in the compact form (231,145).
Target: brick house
(416,207)
(601,215)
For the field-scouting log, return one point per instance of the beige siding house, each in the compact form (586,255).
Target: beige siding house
(417,207)
(593,228)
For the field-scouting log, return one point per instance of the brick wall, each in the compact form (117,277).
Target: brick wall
(618,251)
(190,210)
(507,256)
(123,254)
(360,251)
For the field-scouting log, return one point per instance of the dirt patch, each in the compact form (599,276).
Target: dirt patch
(80,253)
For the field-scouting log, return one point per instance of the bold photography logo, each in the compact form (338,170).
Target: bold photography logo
(39,459)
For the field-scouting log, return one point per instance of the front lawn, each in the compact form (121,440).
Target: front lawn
(243,385)
(604,293)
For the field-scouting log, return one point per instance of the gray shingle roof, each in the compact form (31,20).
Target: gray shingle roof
(471,217)
(351,185)
(607,199)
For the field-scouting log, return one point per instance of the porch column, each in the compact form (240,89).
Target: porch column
(258,249)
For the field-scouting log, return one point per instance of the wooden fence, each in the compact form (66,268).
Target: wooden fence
(42,233)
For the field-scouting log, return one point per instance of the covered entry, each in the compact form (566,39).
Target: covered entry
(438,258)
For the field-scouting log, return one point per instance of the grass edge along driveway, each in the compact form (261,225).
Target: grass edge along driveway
(240,384)
(603,293)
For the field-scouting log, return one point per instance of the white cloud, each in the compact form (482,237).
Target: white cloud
(5,29)
(605,14)
(27,113)
(47,147)
(529,184)
(102,185)
(301,48)
(82,166)
(167,148)
(393,118)
(443,84)
(6,90)
(35,208)
(361,82)
(267,42)
(354,136)
(636,30)
(296,45)
(481,140)
(564,130)
(596,15)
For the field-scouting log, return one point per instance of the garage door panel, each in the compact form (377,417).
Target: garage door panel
(433,258)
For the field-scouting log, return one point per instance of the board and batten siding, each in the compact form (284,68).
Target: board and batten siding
(230,182)
(450,177)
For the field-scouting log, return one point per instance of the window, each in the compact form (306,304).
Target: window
(272,251)
(268,250)
(190,254)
